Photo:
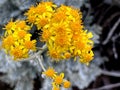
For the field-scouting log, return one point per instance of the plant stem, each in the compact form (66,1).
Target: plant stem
(40,62)
(34,55)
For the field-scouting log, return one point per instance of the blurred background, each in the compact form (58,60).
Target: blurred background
(102,17)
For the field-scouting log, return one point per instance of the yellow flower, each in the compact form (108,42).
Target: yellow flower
(61,28)
(56,87)
(66,84)
(65,36)
(76,27)
(17,40)
(86,57)
(31,11)
(30,44)
(67,55)
(22,33)
(40,9)
(55,54)
(58,16)
(31,19)
(9,27)
(8,42)
(40,14)
(41,22)
(58,80)
(76,13)
(45,36)
(21,25)
(49,6)
(50,72)
(18,53)
(62,41)
(80,45)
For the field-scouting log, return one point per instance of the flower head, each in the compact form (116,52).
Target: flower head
(56,87)
(17,40)
(65,36)
(30,44)
(66,84)
(58,80)
(40,14)
(50,72)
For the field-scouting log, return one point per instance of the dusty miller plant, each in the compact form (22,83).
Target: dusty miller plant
(21,73)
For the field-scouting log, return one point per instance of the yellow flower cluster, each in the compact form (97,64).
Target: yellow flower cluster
(17,40)
(65,36)
(63,31)
(40,15)
(57,79)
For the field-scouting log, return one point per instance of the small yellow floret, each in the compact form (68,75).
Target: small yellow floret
(50,72)
(59,16)
(55,88)
(54,54)
(17,53)
(10,25)
(87,57)
(30,44)
(67,55)
(31,19)
(22,33)
(45,35)
(66,84)
(41,22)
(8,41)
(59,79)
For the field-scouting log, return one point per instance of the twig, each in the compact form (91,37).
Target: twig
(39,58)
(106,87)
(110,19)
(111,32)
(88,14)
(115,37)
(114,48)
(115,74)
(102,16)
(114,51)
